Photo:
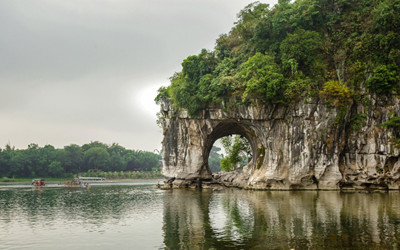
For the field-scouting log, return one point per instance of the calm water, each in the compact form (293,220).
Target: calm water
(138,216)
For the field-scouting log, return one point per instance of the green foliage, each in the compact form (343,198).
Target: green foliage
(385,15)
(248,18)
(357,122)
(385,27)
(5,158)
(142,160)
(162,93)
(194,67)
(124,174)
(298,87)
(384,80)
(192,88)
(336,94)
(261,78)
(238,152)
(393,122)
(227,165)
(55,169)
(288,52)
(6,179)
(356,75)
(97,158)
(94,144)
(302,50)
(260,156)
(214,159)
(48,161)
(72,158)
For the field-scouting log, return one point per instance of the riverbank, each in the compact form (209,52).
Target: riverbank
(29,180)
(63,180)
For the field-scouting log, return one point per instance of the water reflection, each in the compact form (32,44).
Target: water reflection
(259,220)
(103,217)
(142,217)
(95,204)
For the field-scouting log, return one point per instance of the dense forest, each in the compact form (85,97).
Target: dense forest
(95,156)
(336,51)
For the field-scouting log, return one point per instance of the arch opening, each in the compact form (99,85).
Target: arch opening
(236,133)
(229,153)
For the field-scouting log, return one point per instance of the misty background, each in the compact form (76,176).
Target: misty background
(77,71)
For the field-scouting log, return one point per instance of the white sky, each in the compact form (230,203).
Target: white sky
(77,71)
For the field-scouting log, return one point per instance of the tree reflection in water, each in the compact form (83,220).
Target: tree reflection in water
(280,219)
(144,217)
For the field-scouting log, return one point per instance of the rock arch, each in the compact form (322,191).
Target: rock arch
(231,127)
(294,147)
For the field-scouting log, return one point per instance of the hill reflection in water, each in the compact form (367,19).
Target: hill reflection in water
(142,217)
(279,219)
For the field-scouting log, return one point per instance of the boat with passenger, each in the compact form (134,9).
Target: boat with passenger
(83,182)
(38,182)
(74,183)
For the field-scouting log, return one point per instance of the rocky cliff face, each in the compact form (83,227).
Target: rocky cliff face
(301,146)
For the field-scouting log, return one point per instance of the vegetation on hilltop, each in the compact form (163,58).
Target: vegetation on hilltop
(306,48)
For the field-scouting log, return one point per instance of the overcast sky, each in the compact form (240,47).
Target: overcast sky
(77,71)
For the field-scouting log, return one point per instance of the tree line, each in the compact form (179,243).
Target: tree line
(49,161)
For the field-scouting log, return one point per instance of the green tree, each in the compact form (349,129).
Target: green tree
(97,158)
(19,165)
(72,159)
(285,53)
(248,18)
(94,144)
(46,155)
(143,161)
(384,80)
(117,160)
(214,159)
(6,155)
(238,152)
(302,50)
(55,169)
(385,30)
(190,88)
(261,78)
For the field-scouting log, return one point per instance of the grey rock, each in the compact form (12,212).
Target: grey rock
(301,146)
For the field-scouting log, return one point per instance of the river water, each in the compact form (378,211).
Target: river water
(136,215)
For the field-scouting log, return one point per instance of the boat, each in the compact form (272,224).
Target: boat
(83,182)
(38,182)
(73,183)
(91,179)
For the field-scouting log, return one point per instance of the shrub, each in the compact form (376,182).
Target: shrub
(336,94)
(162,93)
(384,79)
(393,122)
